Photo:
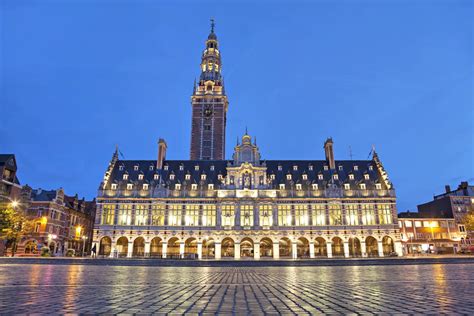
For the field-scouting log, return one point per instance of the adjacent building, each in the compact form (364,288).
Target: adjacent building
(247,206)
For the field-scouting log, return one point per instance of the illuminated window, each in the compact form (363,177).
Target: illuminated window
(417,223)
(108,212)
(356,168)
(114,186)
(368,214)
(171,176)
(208,215)
(177,186)
(156,176)
(378,186)
(212,168)
(352,216)
(347,186)
(191,215)
(371,168)
(288,177)
(196,167)
(246,215)
(305,177)
(320,177)
(282,186)
(272,177)
(340,168)
(366,176)
(315,186)
(151,168)
(203,177)
(228,215)
(125,176)
(145,186)
(310,168)
(174,214)
(125,214)
(301,215)
(326,168)
(187,177)
(140,177)
(279,168)
(166,167)
(121,168)
(210,186)
(158,215)
(408,224)
(351,177)
(335,177)
(335,214)
(219,177)
(194,186)
(135,168)
(362,186)
(141,214)
(295,168)
(385,214)
(265,215)
(298,186)
(181,167)
(319,217)
(284,215)
(129,186)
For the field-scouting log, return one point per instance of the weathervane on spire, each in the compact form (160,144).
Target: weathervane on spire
(212,25)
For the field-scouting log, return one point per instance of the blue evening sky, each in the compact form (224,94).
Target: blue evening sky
(78,77)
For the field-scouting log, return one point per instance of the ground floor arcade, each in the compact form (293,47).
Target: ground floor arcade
(247,246)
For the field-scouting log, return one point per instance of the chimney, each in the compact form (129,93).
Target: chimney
(329,153)
(447,188)
(161,153)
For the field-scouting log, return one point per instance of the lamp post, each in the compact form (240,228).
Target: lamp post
(84,238)
(432,235)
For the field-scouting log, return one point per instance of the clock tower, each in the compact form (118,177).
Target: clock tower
(209,105)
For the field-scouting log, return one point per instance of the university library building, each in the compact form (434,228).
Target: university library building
(245,207)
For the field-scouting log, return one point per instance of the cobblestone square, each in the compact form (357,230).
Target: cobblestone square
(53,288)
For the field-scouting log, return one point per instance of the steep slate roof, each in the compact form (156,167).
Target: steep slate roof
(182,167)
(40,195)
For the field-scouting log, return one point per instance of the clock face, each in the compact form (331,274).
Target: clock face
(208,112)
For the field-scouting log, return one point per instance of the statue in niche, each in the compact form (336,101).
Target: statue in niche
(246,180)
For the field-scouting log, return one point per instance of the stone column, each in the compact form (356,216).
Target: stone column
(237,250)
(181,249)
(294,250)
(399,248)
(217,250)
(256,250)
(363,249)
(113,249)
(276,250)
(147,249)
(380,248)
(311,249)
(329,249)
(130,249)
(164,249)
(346,249)
(199,244)
(275,215)
(218,216)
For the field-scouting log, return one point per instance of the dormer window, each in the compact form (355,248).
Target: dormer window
(114,186)
(210,186)
(279,168)
(320,177)
(125,176)
(194,186)
(305,177)
(187,177)
(315,186)
(282,186)
(196,167)
(166,167)
(366,176)
(310,168)
(362,186)
(340,168)
(121,168)
(151,168)
(335,177)
(156,177)
(181,167)
(219,177)
(326,168)
(288,177)
(203,177)
(177,186)
(378,186)
(371,168)
(129,186)
(298,186)
(295,168)
(135,168)
(212,168)
(140,177)
(145,186)
(171,176)
(351,177)
(347,186)
(356,168)
(272,177)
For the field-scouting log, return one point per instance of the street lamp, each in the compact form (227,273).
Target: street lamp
(84,238)
(14,203)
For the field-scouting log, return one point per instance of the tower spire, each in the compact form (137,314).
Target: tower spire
(212,25)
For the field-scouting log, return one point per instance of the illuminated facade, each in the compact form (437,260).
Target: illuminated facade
(246,207)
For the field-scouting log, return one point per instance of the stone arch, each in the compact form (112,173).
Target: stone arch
(337,247)
(355,249)
(320,247)
(227,248)
(156,247)
(371,246)
(284,245)
(173,248)
(138,247)
(105,246)
(302,247)
(190,248)
(122,246)
(388,245)
(246,248)
(208,248)
(266,247)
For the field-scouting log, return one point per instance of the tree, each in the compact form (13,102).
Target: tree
(468,221)
(13,226)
